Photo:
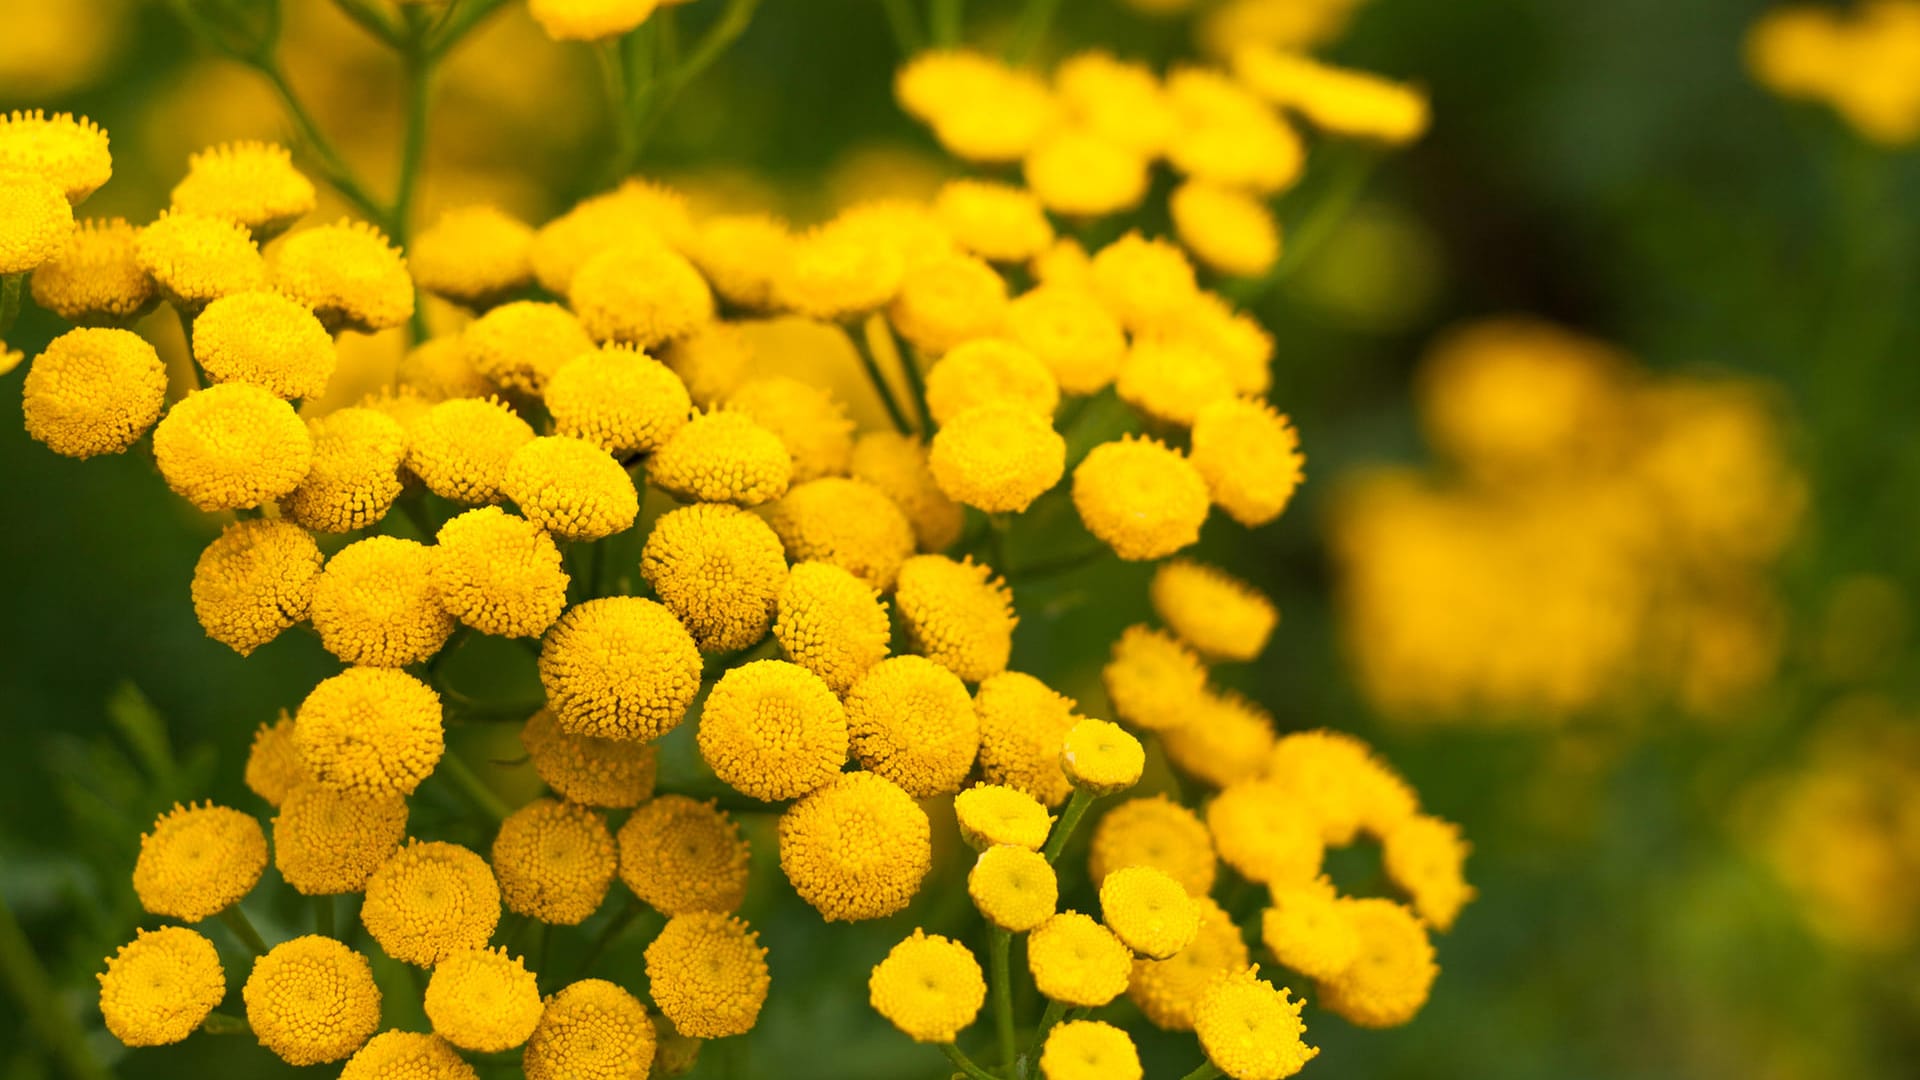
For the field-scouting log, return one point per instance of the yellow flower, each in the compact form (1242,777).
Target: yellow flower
(722,456)
(1227,740)
(897,465)
(839,270)
(587,770)
(857,848)
(1423,856)
(69,153)
(1235,338)
(1065,264)
(348,274)
(251,183)
(499,574)
(947,301)
(720,570)
(640,296)
(1080,173)
(980,109)
(589,20)
(619,668)
(681,856)
(1249,1030)
(1089,1050)
(430,901)
(198,861)
(741,255)
(806,419)
(957,614)
(263,338)
(995,221)
(473,255)
(1307,929)
(1141,498)
(1068,330)
(407,1055)
(993,814)
(1145,283)
(1265,835)
(674,1054)
(312,1000)
(554,861)
(930,987)
(372,730)
(1023,727)
(483,1000)
(1340,101)
(772,730)
(708,974)
(1227,229)
(849,523)
(328,842)
(1014,887)
(1076,961)
(355,477)
(274,767)
(714,361)
(1337,780)
(997,457)
(195,258)
(989,371)
(1213,611)
(1102,758)
(1121,101)
(1171,379)
(1153,679)
(93,392)
(232,446)
(375,604)
(638,213)
(95,276)
(911,721)
(519,346)
(1154,832)
(254,580)
(619,399)
(1390,979)
(159,987)
(1167,991)
(1249,456)
(1149,911)
(1230,137)
(590,1030)
(928,81)
(571,488)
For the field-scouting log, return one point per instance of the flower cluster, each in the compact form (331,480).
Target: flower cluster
(1858,62)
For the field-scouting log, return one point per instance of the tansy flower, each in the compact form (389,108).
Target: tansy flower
(831,623)
(198,861)
(619,668)
(1249,1030)
(67,152)
(554,861)
(1023,726)
(348,274)
(619,399)
(1089,1050)
(1225,741)
(1211,610)
(159,987)
(947,301)
(846,522)
(708,973)
(1339,782)
(499,574)
(1389,980)
(1263,834)
(1014,887)
(1121,101)
(1066,264)
(571,488)
(263,338)
(997,457)
(1227,229)
(232,446)
(1340,101)
(722,456)
(1153,679)
(912,722)
(1101,758)
(95,276)
(719,569)
(371,730)
(251,183)
(1076,961)
(355,475)
(1307,929)
(930,987)
(483,1000)
(839,270)
(1068,330)
(1145,283)
(680,856)
(402,404)
(1171,379)
(10,358)
(906,226)
(274,767)
(772,730)
(587,770)
(254,580)
(992,116)
(1249,457)
(713,361)
(1423,856)
(957,614)
(519,346)
(430,901)
(1228,136)
(993,814)
(640,296)
(407,1055)
(994,221)
(1234,338)
(93,392)
(312,1000)
(589,20)
(740,255)
(195,258)
(857,848)
(439,368)
(1141,498)
(639,213)
(989,371)
(1154,832)
(1082,174)
(1167,991)
(1149,911)
(929,80)
(806,419)
(375,604)
(328,842)
(590,1030)
(473,255)
(897,465)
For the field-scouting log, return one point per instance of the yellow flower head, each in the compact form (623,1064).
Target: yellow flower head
(995,221)
(312,1000)
(263,338)
(1390,979)
(587,770)
(348,274)
(232,446)
(1249,456)
(251,183)
(328,842)
(1228,136)
(619,399)
(355,477)
(1014,887)
(499,574)
(1341,784)
(159,987)
(1170,379)
(897,465)
(68,152)
(718,568)
(1234,338)
(95,277)
(1155,832)
(857,848)
(483,1000)
(198,861)
(375,604)
(619,668)
(430,901)
(1121,101)
(1076,961)
(849,523)
(519,346)
(589,20)
(1167,991)
(254,580)
(1149,911)
(640,296)
(1227,740)
(1307,929)
(439,368)
(1065,264)
(1249,1030)
(638,213)
(741,255)
(912,722)
(274,767)
(1143,499)
(980,109)
(1423,856)
(1145,283)
(407,1055)
(831,623)
(998,457)
(714,361)
(197,258)
(841,269)
(1068,330)
(946,301)
(722,456)
(554,861)
(806,419)
(773,730)
(1089,1050)
(993,814)
(990,371)
(93,392)
(957,614)
(473,255)
(1101,757)
(1153,679)
(590,1030)
(1213,611)
(1339,101)
(1227,229)
(708,974)
(928,81)
(930,987)
(1081,173)
(1023,727)
(372,730)
(681,856)
(1265,835)
(571,488)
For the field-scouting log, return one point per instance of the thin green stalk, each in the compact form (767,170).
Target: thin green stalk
(910,365)
(11,287)
(193,362)
(459,22)
(1055,1010)
(1069,820)
(475,789)
(905,26)
(1065,564)
(610,933)
(372,20)
(998,526)
(415,508)
(417,69)
(1031,29)
(242,927)
(720,36)
(1325,216)
(1206,1071)
(999,949)
(226,1024)
(964,1063)
(323,921)
(945,19)
(40,1002)
(544,948)
(864,345)
(333,167)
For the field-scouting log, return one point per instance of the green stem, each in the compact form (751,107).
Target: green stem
(417,69)
(242,927)
(945,19)
(459,22)
(999,949)
(11,287)
(1031,29)
(1325,216)
(226,1024)
(333,167)
(1069,820)
(610,933)
(1055,1010)
(864,345)
(372,20)
(323,923)
(905,26)
(964,1063)
(475,789)
(1065,564)
(719,37)
(1207,1071)
(613,81)
(543,949)
(910,365)
(40,1002)
(998,526)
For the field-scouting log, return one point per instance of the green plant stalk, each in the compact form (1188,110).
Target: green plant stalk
(372,20)
(1069,820)
(11,287)
(719,37)
(220,1023)
(999,950)
(475,789)
(323,921)
(610,933)
(864,346)
(1054,1011)
(417,64)
(945,18)
(459,22)
(33,988)
(1206,1071)
(333,168)
(242,927)
(905,26)
(909,364)
(1031,29)
(1325,216)
(964,1063)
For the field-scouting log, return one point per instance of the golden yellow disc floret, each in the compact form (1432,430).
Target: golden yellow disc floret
(407,1055)
(1143,499)
(348,274)
(263,338)
(930,987)
(1077,961)
(35,223)
(619,668)
(1307,930)
(554,861)
(1227,229)
(1023,728)
(1085,174)
(1423,857)
(1226,740)
(831,623)
(773,730)
(1249,1030)
(1388,982)
(372,730)
(1156,832)
(1101,757)
(198,861)
(1089,1050)
(997,457)
(274,768)
(93,391)
(995,221)
(252,183)
(473,255)
(1153,679)
(1213,611)
(328,842)
(1149,911)
(849,523)
(992,814)
(642,296)
(571,488)
(232,446)
(740,255)
(946,301)
(857,848)
(254,580)
(70,153)
(1249,456)
(589,20)
(989,371)
(159,987)
(1068,330)
(430,901)
(499,574)
(618,398)
(957,614)
(722,456)
(312,1000)
(375,604)
(897,465)
(1170,379)
(96,277)
(912,722)
(1167,991)
(460,448)
(591,1030)
(983,110)
(587,770)
(355,476)
(1014,887)
(519,346)
(719,569)
(681,856)
(708,974)
(197,258)
(483,1000)
(806,419)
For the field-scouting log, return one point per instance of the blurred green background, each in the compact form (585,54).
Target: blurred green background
(1606,165)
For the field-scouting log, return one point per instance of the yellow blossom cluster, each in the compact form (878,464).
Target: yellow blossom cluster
(1858,60)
